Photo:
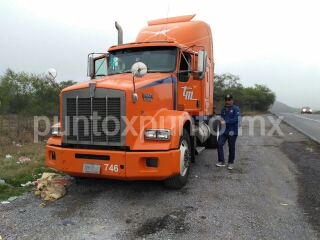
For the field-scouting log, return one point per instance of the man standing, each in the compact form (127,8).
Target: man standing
(230,115)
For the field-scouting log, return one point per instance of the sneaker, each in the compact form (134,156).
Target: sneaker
(230,166)
(220,164)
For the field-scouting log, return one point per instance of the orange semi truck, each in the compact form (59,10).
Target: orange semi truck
(146,111)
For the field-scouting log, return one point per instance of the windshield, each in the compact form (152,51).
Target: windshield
(157,59)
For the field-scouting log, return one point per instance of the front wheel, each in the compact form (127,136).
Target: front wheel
(180,180)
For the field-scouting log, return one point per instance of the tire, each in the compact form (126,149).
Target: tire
(212,142)
(180,180)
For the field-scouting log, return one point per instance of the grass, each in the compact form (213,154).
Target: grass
(16,140)
(253,113)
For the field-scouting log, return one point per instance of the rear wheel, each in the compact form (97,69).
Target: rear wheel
(180,180)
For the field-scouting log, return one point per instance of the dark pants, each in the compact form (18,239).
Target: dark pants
(232,147)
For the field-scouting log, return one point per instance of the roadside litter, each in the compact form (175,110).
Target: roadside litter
(23,159)
(10,199)
(2,181)
(8,156)
(51,186)
(33,181)
(29,183)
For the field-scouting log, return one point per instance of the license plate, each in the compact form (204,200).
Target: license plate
(91,168)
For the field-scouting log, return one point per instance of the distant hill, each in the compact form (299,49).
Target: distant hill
(281,107)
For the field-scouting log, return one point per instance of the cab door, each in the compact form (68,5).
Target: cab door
(188,89)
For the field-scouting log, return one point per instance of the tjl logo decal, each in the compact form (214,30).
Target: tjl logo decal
(188,95)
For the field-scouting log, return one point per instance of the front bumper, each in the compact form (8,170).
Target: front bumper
(146,165)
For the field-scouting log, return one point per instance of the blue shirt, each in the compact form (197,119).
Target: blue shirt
(231,117)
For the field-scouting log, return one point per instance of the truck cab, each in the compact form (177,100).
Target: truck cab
(146,111)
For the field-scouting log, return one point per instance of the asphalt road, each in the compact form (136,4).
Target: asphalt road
(272,193)
(308,124)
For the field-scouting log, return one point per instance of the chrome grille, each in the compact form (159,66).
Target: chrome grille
(95,120)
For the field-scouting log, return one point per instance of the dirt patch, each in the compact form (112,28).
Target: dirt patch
(174,222)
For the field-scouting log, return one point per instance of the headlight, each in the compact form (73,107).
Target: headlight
(310,110)
(157,134)
(55,130)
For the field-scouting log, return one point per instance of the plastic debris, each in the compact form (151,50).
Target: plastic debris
(37,176)
(10,199)
(30,183)
(309,149)
(5,202)
(8,156)
(23,159)
(2,181)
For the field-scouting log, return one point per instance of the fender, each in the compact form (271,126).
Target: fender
(57,141)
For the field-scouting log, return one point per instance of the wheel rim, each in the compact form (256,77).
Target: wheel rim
(217,132)
(184,157)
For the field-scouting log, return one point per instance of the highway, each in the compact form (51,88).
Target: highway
(308,124)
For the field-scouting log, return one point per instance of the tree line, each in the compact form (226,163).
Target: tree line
(31,94)
(258,98)
(27,93)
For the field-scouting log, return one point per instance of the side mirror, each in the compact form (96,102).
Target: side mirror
(202,62)
(51,74)
(139,69)
(90,72)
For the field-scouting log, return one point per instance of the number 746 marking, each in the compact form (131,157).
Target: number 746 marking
(111,167)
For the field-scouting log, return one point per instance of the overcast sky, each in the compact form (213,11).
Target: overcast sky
(274,42)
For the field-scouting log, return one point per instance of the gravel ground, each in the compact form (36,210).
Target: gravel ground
(272,193)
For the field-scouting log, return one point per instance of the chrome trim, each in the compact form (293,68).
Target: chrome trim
(77,112)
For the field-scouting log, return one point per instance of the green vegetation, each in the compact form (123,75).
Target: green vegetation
(14,173)
(16,141)
(257,98)
(23,96)
(23,93)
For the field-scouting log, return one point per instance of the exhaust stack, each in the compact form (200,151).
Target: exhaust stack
(120,33)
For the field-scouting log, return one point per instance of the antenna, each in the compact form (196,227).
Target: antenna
(167,20)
